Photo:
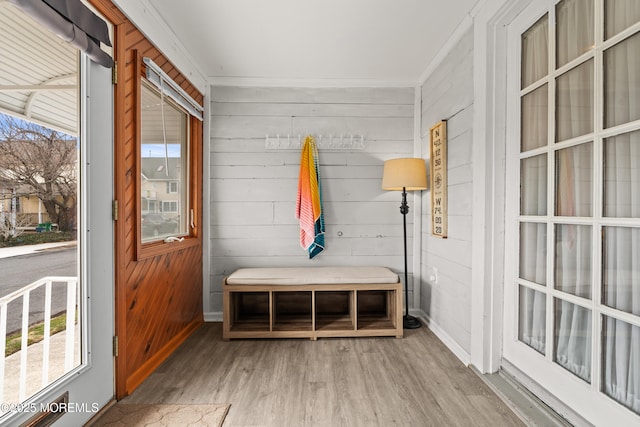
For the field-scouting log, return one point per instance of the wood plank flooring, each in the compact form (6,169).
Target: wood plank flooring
(414,381)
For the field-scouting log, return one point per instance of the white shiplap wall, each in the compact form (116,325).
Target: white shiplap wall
(445,295)
(253,189)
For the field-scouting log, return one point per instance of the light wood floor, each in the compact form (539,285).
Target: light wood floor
(414,381)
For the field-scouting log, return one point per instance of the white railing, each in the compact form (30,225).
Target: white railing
(70,336)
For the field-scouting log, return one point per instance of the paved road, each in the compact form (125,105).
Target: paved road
(19,271)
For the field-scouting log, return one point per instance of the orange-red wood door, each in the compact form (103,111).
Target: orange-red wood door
(158,285)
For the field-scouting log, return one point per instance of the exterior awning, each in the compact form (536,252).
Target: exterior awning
(74,23)
(38,77)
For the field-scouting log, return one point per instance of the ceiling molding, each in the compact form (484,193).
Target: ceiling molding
(307,83)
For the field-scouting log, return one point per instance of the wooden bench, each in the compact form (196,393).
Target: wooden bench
(312,302)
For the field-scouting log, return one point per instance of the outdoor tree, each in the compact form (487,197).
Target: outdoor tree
(10,228)
(40,162)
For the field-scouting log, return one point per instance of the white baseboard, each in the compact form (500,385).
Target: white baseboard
(446,339)
(213,316)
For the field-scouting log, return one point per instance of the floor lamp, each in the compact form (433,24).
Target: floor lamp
(405,174)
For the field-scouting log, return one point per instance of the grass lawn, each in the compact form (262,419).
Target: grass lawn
(36,238)
(36,334)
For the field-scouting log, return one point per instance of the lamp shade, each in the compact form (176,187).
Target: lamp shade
(408,173)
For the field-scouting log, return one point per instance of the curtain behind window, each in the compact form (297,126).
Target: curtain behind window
(621,246)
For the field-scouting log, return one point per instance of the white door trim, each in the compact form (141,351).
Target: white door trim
(489,179)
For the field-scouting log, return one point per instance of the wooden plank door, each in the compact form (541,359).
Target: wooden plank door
(158,284)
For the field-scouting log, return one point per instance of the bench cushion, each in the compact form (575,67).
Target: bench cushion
(311,276)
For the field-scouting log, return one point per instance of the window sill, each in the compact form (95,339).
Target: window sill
(160,247)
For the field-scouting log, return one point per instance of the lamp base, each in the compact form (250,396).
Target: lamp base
(410,322)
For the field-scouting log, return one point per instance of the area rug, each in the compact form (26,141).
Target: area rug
(160,415)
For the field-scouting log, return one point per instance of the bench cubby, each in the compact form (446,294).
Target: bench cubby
(292,311)
(251,311)
(334,310)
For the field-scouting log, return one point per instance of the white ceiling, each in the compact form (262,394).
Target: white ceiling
(368,41)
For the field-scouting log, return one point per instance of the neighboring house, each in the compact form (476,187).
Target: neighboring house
(160,186)
(23,201)
(27,207)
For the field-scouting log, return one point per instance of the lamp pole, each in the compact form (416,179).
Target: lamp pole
(408,321)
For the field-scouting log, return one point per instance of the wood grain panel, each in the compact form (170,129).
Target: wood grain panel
(158,297)
(160,293)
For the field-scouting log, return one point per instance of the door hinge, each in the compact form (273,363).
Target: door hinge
(114,73)
(115,346)
(114,210)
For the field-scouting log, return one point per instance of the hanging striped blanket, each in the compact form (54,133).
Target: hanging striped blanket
(309,200)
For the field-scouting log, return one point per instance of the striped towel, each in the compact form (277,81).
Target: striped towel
(309,200)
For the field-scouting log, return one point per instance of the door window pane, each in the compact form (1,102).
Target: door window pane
(574,102)
(621,362)
(164,156)
(572,271)
(621,269)
(622,82)
(622,176)
(533,185)
(574,180)
(533,252)
(620,15)
(535,52)
(532,321)
(534,129)
(573,338)
(574,29)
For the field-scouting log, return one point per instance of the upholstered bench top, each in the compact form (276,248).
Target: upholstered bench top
(311,276)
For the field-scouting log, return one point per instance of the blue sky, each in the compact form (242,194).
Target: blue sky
(148,150)
(157,150)
(21,122)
